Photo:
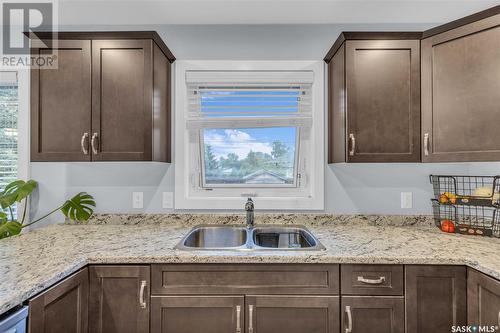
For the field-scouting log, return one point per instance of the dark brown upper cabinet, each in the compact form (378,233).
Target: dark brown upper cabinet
(108,99)
(436,298)
(61,104)
(460,90)
(374,98)
(62,308)
(483,299)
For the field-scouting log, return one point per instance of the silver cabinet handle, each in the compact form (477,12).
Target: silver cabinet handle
(142,303)
(349,319)
(498,318)
(95,136)
(380,280)
(84,143)
(426,144)
(352,139)
(238,319)
(250,319)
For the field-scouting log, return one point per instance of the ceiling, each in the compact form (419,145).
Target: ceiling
(260,30)
(112,12)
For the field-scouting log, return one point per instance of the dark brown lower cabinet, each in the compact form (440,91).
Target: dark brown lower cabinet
(436,298)
(62,308)
(119,299)
(197,314)
(483,299)
(292,314)
(374,314)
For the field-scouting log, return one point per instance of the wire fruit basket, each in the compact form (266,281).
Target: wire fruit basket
(467,204)
(467,190)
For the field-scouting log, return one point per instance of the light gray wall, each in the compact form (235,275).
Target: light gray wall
(350,189)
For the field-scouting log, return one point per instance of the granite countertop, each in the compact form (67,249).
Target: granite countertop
(31,262)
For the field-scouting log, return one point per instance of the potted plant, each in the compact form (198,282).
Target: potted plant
(78,208)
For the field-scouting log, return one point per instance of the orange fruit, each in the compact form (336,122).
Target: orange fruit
(448,226)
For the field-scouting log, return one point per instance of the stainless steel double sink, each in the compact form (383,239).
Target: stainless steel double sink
(237,237)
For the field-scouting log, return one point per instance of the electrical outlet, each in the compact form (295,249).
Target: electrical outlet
(137,200)
(406,200)
(168,200)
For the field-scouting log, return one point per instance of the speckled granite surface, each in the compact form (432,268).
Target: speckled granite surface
(31,262)
(316,219)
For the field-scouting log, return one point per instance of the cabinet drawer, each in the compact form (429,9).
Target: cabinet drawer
(372,279)
(244,279)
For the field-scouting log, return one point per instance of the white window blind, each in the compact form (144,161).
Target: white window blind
(248,98)
(8,128)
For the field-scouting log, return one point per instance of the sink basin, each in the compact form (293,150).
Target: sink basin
(280,237)
(237,237)
(215,237)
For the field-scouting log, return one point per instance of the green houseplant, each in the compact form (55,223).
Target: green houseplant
(78,208)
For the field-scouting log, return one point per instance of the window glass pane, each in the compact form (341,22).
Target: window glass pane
(249,156)
(8,133)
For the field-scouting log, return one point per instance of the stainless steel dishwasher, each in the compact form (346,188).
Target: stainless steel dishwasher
(14,321)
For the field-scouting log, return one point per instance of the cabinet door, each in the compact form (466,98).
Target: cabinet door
(483,299)
(119,299)
(61,105)
(435,298)
(197,314)
(383,100)
(122,86)
(460,99)
(62,308)
(292,314)
(374,314)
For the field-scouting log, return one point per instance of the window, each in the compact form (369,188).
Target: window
(8,128)
(250,133)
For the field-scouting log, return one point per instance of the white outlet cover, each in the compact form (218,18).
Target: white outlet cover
(406,200)
(137,200)
(168,200)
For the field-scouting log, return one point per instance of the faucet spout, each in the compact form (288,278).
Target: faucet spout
(249,208)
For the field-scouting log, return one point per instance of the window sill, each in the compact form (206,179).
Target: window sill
(264,203)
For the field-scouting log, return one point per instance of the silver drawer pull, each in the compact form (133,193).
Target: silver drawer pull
(349,319)
(142,303)
(84,143)
(353,144)
(380,280)
(238,319)
(250,319)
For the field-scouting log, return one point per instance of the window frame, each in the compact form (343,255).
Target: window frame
(268,197)
(23,131)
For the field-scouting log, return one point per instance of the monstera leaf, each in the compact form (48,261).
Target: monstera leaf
(16,192)
(8,229)
(79,208)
